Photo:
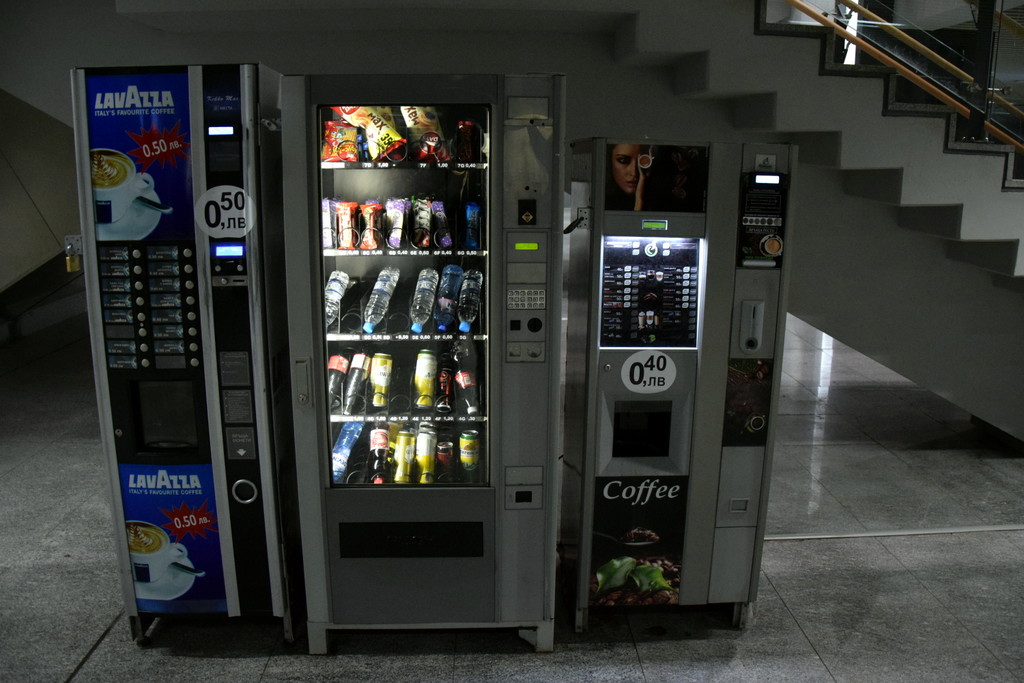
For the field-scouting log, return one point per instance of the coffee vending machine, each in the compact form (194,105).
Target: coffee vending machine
(676,295)
(180,208)
(424,273)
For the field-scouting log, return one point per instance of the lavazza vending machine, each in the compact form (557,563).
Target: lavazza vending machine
(423,259)
(676,287)
(187,331)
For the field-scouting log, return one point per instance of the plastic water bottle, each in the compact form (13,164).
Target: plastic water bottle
(447,293)
(469,298)
(472,220)
(337,284)
(423,299)
(380,297)
(347,438)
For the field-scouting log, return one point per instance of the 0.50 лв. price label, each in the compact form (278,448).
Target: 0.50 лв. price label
(225,211)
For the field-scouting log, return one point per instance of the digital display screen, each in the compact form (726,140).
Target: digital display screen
(229,250)
(527,246)
(654,225)
(650,291)
(220,130)
(762,179)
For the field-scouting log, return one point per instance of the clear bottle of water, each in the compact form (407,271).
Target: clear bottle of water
(380,297)
(447,295)
(469,298)
(423,299)
(337,284)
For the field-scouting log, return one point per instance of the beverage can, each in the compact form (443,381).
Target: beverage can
(469,455)
(426,441)
(423,379)
(405,456)
(380,379)
(446,468)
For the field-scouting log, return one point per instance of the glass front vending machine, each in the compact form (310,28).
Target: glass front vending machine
(187,331)
(676,292)
(423,259)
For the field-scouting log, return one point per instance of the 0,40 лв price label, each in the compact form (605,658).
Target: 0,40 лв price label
(648,372)
(225,211)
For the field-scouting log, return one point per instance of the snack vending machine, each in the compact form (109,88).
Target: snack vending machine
(187,331)
(423,259)
(676,294)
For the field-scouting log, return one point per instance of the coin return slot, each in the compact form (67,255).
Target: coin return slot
(244,491)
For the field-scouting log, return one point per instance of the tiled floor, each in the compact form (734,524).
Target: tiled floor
(895,552)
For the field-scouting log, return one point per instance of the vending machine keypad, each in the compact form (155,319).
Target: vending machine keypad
(149,306)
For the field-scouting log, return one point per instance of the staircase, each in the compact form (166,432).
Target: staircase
(915,207)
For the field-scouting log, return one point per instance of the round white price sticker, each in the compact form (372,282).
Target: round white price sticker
(224,211)
(648,372)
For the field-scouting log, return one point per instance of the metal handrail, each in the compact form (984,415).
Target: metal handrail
(938,93)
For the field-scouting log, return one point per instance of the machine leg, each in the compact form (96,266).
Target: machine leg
(581,620)
(743,614)
(142,629)
(316,634)
(288,625)
(542,638)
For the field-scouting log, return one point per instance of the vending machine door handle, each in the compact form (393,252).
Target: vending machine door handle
(301,376)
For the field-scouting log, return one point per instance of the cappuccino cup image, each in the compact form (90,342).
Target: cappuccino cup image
(115,183)
(151,550)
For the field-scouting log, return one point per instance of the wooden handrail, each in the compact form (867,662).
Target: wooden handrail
(1013,26)
(933,90)
(933,56)
(917,45)
(1005,19)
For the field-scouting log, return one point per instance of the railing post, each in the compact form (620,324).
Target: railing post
(984,44)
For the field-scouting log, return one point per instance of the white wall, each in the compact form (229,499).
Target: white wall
(892,294)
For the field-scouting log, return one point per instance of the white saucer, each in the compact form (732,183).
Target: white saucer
(171,585)
(137,222)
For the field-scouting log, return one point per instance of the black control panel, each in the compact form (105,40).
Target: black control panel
(761,237)
(149,306)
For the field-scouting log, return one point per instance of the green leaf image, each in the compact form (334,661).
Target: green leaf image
(649,578)
(614,573)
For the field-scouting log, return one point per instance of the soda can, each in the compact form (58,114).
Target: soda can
(405,456)
(426,442)
(423,379)
(380,379)
(447,466)
(393,429)
(469,455)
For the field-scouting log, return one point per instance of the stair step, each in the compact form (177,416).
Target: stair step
(998,256)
